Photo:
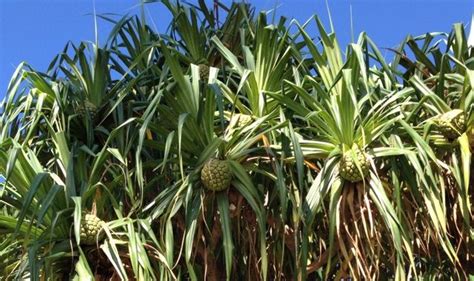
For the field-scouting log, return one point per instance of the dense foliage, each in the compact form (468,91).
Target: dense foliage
(242,149)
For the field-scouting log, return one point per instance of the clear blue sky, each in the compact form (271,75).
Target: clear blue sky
(36,30)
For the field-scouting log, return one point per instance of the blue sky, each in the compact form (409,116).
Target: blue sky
(36,30)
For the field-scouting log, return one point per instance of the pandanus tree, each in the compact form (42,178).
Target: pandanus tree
(349,113)
(234,147)
(443,114)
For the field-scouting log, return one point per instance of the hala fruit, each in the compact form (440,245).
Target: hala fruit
(350,163)
(91,227)
(87,107)
(452,123)
(216,175)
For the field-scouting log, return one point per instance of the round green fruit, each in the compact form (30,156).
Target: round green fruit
(348,169)
(204,72)
(87,108)
(243,119)
(452,123)
(216,175)
(91,229)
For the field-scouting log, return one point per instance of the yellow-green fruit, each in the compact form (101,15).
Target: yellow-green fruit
(87,107)
(452,123)
(216,175)
(204,72)
(348,165)
(243,119)
(91,227)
